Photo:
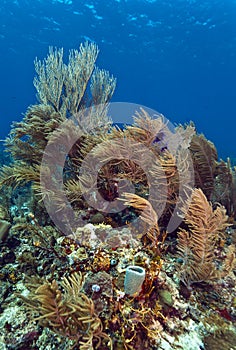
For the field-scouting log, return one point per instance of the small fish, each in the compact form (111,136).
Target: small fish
(87,38)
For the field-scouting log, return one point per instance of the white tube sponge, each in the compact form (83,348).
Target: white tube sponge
(134,277)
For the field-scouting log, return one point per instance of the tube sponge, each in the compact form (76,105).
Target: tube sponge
(134,278)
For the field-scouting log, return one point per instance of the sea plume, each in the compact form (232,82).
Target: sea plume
(197,244)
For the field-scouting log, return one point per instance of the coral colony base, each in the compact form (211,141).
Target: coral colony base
(89,259)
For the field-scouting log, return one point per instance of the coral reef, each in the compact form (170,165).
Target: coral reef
(65,286)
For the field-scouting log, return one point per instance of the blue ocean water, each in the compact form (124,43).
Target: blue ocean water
(177,57)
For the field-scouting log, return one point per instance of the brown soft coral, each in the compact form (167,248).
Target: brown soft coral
(197,244)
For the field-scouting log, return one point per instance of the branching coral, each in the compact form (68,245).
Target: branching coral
(69,313)
(17,174)
(146,154)
(64,86)
(224,191)
(205,160)
(28,138)
(63,91)
(197,245)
